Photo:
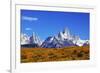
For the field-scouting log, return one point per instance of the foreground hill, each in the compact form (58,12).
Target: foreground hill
(48,54)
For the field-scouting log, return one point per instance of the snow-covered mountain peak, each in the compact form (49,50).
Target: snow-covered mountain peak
(24,39)
(61,36)
(34,39)
(62,39)
(66,32)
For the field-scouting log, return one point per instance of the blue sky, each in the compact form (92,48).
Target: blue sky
(49,23)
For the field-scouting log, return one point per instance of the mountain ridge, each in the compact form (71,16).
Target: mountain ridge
(62,39)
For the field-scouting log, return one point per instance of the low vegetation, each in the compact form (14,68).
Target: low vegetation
(54,54)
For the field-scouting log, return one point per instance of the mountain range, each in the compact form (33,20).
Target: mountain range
(62,39)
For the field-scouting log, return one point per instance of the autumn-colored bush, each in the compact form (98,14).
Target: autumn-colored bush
(54,54)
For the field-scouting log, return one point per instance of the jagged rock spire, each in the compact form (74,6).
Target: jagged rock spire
(34,39)
(66,32)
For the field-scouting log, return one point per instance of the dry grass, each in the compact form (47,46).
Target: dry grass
(52,54)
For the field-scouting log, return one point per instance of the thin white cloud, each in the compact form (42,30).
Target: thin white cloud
(28,29)
(29,18)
